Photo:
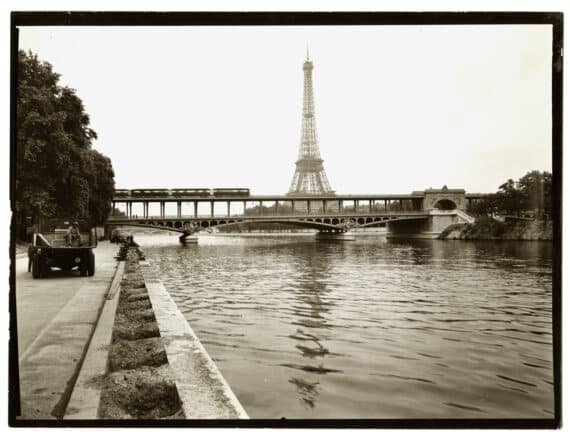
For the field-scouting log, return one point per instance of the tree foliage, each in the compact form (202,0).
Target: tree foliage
(532,193)
(58,174)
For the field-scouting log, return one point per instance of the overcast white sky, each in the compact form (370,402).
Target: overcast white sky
(398,108)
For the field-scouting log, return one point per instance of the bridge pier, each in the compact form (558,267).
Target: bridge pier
(411,229)
(429,228)
(187,238)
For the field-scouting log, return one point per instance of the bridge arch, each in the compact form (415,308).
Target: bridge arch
(445,204)
(334,224)
(149,225)
(313,224)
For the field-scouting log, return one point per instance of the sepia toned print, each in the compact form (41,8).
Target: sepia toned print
(168,268)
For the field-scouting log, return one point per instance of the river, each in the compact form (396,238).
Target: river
(371,328)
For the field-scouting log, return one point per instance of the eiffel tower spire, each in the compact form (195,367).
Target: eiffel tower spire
(310,177)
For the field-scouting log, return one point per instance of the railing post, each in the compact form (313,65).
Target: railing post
(195,209)
(260,208)
(212,208)
(228,208)
(308,207)
(276,208)
(385,205)
(370,206)
(355,206)
(324,206)
(340,206)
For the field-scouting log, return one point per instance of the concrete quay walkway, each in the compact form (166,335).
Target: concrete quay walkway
(56,317)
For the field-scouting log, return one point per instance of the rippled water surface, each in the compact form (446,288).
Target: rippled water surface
(369,328)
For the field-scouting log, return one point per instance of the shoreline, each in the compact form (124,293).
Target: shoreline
(148,362)
(486,228)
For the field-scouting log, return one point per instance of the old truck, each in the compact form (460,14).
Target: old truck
(64,244)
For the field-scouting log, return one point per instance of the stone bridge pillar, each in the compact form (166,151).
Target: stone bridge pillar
(439,205)
(444,199)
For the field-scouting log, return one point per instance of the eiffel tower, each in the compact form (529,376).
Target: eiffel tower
(310,177)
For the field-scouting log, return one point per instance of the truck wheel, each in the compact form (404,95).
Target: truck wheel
(91,264)
(36,272)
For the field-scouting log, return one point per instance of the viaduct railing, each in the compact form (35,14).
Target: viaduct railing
(278,205)
(330,212)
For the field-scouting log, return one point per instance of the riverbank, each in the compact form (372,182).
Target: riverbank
(145,358)
(138,383)
(486,228)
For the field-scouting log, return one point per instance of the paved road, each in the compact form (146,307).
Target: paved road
(56,317)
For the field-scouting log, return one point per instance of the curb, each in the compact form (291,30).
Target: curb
(202,389)
(84,401)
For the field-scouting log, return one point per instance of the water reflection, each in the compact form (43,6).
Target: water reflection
(308,391)
(370,328)
(311,306)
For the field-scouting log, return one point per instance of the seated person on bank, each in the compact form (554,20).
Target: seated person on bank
(73,237)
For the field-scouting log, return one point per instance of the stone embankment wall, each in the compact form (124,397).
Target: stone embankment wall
(486,228)
(138,383)
(144,360)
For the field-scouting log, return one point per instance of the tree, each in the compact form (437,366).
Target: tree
(102,188)
(57,172)
(531,193)
(509,198)
(536,191)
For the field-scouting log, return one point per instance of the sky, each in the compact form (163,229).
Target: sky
(398,108)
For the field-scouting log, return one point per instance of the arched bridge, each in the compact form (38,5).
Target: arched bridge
(427,212)
(331,223)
